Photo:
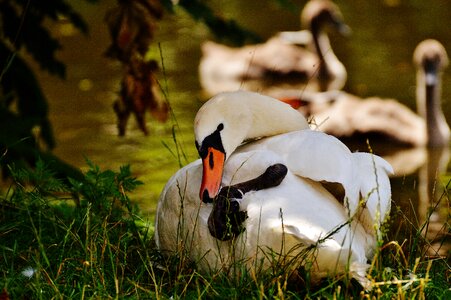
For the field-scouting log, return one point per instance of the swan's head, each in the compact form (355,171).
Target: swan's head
(319,13)
(430,58)
(220,126)
(230,118)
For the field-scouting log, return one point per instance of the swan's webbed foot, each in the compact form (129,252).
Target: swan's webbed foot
(226,220)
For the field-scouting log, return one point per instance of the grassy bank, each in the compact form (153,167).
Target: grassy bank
(85,239)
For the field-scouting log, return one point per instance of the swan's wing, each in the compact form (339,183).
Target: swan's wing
(300,38)
(310,154)
(318,156)
(322,157)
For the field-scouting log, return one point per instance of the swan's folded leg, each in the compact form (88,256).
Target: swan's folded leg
(226,219)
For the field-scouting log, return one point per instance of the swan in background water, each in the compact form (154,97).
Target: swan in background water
(281,61)
(349,116)
(297,221)
(431,59)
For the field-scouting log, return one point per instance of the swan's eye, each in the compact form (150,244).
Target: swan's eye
(201,150)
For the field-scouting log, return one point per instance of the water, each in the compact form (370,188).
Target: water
(377,56)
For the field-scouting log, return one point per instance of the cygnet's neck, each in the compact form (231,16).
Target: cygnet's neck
(330,66)
(429,108)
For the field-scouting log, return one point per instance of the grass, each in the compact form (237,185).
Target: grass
(86,240)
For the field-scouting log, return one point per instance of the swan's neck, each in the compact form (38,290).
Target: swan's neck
(329,65)
(272,119)
(245,116)
(429,108)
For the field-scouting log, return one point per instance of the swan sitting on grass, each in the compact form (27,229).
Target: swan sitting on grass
(296,222)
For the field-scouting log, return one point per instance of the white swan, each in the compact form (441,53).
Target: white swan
(288,219)
(350,116)
(280,61)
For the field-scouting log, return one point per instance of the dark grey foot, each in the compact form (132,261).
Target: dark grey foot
(226,219)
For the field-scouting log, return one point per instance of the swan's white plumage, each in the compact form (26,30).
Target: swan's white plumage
(289,218)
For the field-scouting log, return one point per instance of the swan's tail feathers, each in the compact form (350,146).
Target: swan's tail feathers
(298,235)
(375,190)
(358,271)
(330,257)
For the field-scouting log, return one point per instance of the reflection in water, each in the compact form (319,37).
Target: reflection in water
(407,161)
(433,205)
(419,191)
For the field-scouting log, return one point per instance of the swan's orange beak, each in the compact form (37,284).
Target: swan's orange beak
(213,166)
